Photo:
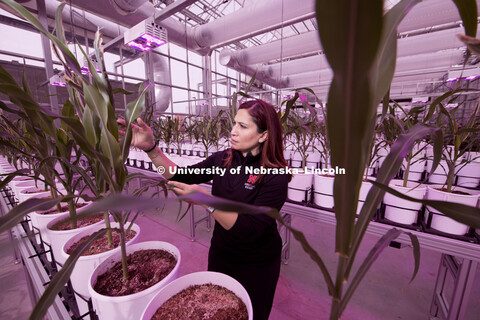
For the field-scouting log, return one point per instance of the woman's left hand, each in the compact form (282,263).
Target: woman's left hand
(182,188)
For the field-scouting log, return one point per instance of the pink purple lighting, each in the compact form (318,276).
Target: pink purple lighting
(146,42)
(472,77)
(85,70)
(58,84)
(451,79)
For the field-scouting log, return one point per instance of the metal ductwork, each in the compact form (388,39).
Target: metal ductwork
(444,58)
(178,33)
(430,42)
(257,16)
(307,42)
(111,30)
(430,13)
(161,75)
(127,7)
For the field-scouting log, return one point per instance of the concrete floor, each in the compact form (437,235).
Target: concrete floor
(301,293)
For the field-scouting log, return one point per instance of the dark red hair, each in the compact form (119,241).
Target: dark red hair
(266,119)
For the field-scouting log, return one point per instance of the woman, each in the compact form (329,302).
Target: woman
(245,246)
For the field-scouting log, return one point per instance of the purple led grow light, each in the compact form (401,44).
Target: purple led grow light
(146,42)
(58,84)
(472,77)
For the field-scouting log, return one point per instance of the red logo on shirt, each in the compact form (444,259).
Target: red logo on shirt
(251,179)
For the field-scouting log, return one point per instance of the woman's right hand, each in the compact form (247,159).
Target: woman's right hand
(142,135)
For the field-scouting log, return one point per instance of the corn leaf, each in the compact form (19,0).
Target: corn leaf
(350,32)
(15,216)
(61,278)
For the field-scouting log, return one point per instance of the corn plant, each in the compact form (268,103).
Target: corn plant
(359,42)
(459,137)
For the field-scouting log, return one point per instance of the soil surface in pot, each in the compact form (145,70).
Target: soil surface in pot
(63,208)
(454,191)
(35,191)
(101,245)
(81,222)
(145,269)
(203,302)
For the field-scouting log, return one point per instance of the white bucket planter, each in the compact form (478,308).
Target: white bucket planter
(364,189)
(197,278)
(32,192)
(199,150)
(41,220)
(417,167)
(19,185)
(313,160)
(296,160)
(58,238)
(443,223)
(439,176)
(299,185)
(400,210)
(129,306)
(323,191)
(469,175)
(287,154)
(86,264)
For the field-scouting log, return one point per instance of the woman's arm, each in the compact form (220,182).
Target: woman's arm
(142,138)
(226,219)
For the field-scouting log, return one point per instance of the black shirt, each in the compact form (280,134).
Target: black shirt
(254,237)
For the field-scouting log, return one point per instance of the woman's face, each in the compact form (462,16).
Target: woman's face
(244,134)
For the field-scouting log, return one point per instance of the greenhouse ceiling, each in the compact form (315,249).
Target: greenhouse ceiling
(278,39)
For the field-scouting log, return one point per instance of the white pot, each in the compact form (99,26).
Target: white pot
(197,278)
(19,185)
(86,264)
(323,191)
(443,223)
(364,189)
(313,159)
(469,175)
(299,184)
(130,306)
(417,167)
(40,220)
(296,160)
(400,210)
(39,193)
(58,238)
(439,176)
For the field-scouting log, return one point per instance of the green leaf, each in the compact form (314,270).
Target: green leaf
(387,51)
(389,168)
(62,277)
(468,12)
(350,32)
(460,212)
(132,112)
(15,216)
(382,243)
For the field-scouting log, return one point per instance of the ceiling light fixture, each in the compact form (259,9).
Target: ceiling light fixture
(58,81)
(146,35)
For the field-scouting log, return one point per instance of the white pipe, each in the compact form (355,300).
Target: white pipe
(160,65)
(444,58)
(292,46)
(127,6)
(161,74)
(177,33)
(256,16)
(430,42)
(430,13)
